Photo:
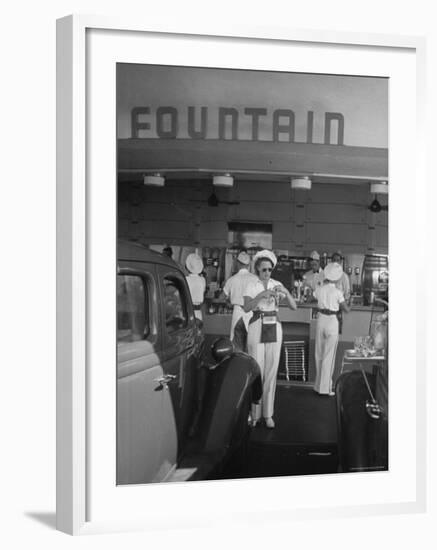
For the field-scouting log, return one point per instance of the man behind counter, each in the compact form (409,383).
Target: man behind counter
(314,277)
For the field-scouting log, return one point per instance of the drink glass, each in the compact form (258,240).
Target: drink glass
(367,346)
(358,344)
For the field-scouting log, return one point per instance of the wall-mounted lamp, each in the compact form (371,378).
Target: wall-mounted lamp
(380,188)
(301,183)
(154,179)
(225,180)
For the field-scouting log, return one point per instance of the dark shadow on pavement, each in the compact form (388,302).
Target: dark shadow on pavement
(46,518)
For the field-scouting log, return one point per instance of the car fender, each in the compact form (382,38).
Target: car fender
(233,384)
(360,437)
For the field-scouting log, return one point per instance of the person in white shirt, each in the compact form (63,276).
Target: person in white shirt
(234,292)
(330,300)
(314,277)
(196,283)
(343,283)
(264,338)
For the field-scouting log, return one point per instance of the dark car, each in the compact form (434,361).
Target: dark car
(362,419)
(182,409)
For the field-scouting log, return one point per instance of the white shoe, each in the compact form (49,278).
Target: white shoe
(252,422)
(270,423)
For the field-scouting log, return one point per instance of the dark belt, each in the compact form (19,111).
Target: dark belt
(197,307)
(260,314)
(327,311)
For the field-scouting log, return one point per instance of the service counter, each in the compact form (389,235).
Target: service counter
(300,324)
(355,323)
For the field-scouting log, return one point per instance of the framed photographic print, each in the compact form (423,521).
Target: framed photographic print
(230,206)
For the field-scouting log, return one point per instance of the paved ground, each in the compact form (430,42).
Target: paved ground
(301,416)
(304,440)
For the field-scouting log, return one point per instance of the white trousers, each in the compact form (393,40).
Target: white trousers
(326,347)
(267,356)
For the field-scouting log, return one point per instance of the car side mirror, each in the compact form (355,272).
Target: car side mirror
(221,349)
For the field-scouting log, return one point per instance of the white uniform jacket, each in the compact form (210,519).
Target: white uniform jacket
(234,290)
(344,286)
(265,304)
(329,297)
(197,286)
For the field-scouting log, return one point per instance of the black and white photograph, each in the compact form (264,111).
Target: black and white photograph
(252,273)
(219,311)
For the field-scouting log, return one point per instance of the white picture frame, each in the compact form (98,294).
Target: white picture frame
(78,228)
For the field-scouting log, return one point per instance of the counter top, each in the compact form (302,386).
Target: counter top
(355,323)
(304,305)
(356,307)
(377,309)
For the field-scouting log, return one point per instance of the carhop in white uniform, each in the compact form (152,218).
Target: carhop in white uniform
(234,291)
(264,337)
(329,302)
(196,283)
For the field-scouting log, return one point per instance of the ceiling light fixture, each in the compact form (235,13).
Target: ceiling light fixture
(380,188)
(225,180)
(301,183)
(154,179)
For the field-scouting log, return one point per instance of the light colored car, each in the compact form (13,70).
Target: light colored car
(180,414)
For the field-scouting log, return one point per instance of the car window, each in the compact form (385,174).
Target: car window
(174,305)
(133,322)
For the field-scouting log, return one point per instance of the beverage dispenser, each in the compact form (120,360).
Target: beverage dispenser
(374,278)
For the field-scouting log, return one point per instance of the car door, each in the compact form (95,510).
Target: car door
(181,343)
(146,431)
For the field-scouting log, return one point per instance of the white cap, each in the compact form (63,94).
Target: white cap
(267,254)
(315,255)
(194,263)
(333,272)
(243,258)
